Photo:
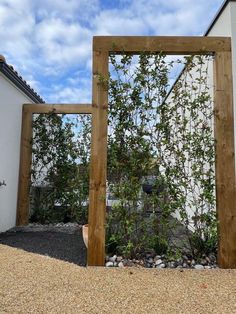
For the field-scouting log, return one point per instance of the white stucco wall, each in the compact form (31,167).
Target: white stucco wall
(226,26)
(11,100)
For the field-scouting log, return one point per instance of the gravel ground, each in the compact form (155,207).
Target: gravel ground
(64,243)
(32,283)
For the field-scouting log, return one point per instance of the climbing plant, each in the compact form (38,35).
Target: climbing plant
(60,150)
(160,139)
(160,183)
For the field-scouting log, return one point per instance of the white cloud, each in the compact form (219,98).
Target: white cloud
(114,22)
(52,38)
(67,9)
(61,43)
(69,94)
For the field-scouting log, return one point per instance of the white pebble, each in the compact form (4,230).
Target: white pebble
(120,264)
(198,266)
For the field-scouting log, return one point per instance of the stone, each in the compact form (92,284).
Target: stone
(198,266)
(193,262)
(119,259)
(207,267)
(161,265)
(208,260)
(158,262)
(203,262)
(150,260)
(157,257)
(113,258)
(109,264)
(125,262)
(179,261)
(171,264)
(212,257)
(121,264)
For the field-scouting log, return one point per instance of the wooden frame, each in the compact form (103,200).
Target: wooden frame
(224,132)
(22,216)
(224,135)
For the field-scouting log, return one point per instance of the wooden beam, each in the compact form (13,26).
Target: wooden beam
(98,164)
(59,108)
(225,163)
(166,44)
(224,132)
(22,216)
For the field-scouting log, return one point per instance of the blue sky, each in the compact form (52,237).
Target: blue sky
(49,42)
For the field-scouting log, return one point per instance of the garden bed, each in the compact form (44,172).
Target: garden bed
(64,242)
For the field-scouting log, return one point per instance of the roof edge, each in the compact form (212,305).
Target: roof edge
(17,80)
(221,9)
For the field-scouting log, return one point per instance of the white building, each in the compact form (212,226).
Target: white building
(224,24)
(14,92)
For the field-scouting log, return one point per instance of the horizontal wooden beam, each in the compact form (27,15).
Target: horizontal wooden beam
(174,45)
(59,108)
(26,149)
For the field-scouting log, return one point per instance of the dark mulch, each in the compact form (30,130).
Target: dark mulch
(63,246)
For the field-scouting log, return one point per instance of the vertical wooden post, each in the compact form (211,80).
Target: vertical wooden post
(22,216)
(225,163)
(98,164)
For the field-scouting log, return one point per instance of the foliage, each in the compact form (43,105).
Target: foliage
(165,138)
(60,168)
(159,141)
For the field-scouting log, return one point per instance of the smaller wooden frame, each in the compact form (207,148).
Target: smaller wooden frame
(22,216)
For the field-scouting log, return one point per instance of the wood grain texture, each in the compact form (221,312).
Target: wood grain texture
(165,44)
(22,216)
(28,110)
(60,108)
(98,164)
(225,160)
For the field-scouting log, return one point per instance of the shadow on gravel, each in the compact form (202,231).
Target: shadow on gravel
(63,246)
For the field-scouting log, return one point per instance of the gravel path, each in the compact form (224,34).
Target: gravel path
(66,245)
(32,283)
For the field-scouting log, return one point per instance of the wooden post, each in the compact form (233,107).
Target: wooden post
(98,164)
(224,135)
(225,163)
(22,215)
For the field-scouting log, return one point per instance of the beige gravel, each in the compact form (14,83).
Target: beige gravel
(31,283)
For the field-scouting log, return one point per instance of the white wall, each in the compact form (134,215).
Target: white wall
(11,100)
(226,26)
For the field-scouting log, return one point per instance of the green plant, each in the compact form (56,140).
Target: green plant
(165,137)
(60,168)
(156,137)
